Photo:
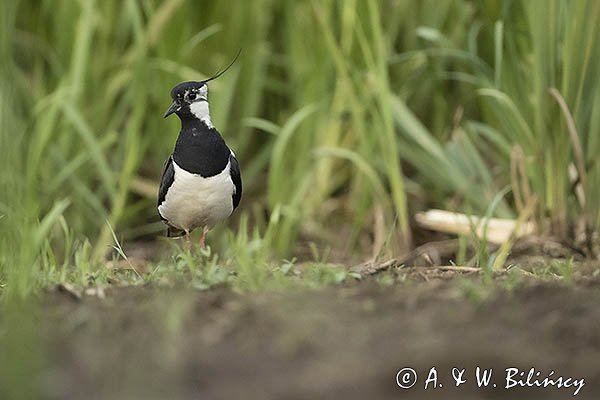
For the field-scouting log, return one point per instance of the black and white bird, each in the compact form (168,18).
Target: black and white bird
(201,183)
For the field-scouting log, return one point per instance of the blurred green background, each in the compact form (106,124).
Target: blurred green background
(347,117)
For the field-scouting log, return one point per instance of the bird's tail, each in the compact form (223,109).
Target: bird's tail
(174,232)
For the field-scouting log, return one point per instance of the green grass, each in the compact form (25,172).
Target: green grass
(346,117)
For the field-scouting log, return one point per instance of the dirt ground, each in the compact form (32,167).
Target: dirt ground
(344,342)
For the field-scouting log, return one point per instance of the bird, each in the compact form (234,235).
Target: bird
(201,183)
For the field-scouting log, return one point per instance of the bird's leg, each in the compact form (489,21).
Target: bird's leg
(188,241)
(203,237)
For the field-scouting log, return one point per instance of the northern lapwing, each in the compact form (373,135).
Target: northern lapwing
(201,183)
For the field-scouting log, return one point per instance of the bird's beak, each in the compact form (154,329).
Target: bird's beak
(172,109)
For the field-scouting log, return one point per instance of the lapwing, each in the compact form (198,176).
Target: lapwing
(201,183)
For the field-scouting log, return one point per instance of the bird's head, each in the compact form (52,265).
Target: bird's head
(187,96)
(190,99)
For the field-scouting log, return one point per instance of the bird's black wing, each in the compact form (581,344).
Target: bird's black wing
(166,181)
(236,177)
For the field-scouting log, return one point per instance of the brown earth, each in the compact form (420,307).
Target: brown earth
(344,342)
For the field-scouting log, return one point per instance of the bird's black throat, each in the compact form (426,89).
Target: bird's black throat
(200,149)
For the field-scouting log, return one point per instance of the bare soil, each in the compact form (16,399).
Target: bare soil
(344,342)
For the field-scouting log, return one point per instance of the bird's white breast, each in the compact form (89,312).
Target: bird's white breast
(193,201)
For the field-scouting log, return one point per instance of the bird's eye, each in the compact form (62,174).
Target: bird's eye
(192,96)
